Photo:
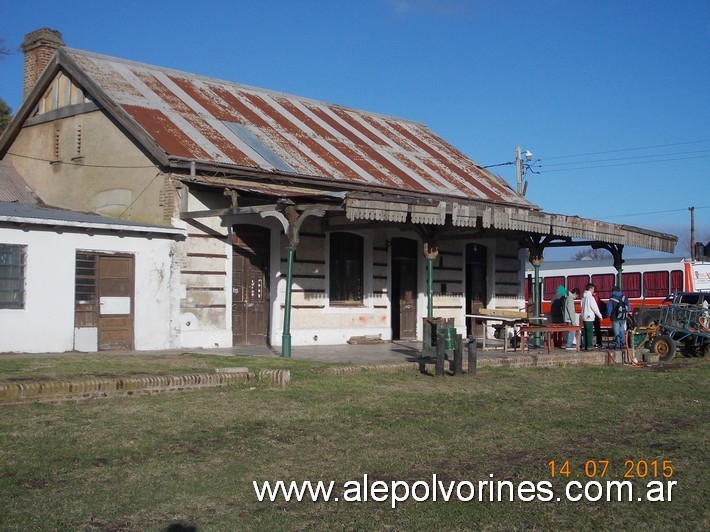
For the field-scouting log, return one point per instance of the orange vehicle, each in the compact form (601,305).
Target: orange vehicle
(646,282)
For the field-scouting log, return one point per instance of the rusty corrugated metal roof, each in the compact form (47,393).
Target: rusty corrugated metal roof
(205,119)
(13,187)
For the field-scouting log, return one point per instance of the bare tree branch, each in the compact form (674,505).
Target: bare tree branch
(4,52)
(594,254)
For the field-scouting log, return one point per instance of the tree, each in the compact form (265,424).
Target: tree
(5,111)
(5,115)
(593,254)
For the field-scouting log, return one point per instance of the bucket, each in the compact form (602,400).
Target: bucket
(449,334)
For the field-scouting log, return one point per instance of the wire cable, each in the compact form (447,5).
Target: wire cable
(628,149)
(621,164)
(645,157)
(53,161)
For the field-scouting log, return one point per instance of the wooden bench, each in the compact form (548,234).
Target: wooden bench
(546,331)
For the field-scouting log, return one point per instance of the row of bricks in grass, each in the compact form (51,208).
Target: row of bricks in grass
(58,391)
(514,361)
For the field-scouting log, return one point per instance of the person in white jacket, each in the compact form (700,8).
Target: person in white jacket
(570,315)
(590,310)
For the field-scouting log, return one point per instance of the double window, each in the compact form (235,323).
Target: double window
(12,276)
(346,269)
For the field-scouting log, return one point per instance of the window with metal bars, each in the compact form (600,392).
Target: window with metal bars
(86,275)
(12,276)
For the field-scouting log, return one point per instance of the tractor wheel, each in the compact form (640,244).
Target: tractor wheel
(664,347)
(689,349)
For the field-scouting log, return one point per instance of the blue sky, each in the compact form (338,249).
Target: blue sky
(611,97)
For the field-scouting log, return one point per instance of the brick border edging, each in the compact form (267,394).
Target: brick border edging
(62,391)
(596,358)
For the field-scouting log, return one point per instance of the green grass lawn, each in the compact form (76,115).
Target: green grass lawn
(144,463)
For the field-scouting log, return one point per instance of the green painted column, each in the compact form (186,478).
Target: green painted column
(286,336)
(620,279)
(430,287)
(537,296)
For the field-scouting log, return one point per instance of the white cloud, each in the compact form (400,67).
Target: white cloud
(442,8)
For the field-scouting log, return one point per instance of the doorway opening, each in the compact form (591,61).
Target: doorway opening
(476,296)
(404,289)
(104,298)
(250,285)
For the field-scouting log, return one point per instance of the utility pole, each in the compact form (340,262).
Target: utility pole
(520,168)
(692,232)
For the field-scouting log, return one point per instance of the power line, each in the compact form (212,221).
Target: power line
(628,149)
(644,157)
(654,212)
(80,164)
(623,164)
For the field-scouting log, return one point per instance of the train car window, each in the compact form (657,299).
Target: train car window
(604,283)
(550,284)
(655,284)
(676,281)
(632,284)
(577,281)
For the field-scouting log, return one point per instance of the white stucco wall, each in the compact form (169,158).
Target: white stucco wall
(46,324)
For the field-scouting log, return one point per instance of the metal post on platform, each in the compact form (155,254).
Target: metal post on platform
(536,261)
(430,253)
(291,221)
(430,287)
(286,336)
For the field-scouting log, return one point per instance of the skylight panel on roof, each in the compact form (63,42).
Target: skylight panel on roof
(259,147)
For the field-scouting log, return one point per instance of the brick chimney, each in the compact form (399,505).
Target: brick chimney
(39,47)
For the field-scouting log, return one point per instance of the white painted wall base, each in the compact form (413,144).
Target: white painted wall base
(304,337)
(206,338)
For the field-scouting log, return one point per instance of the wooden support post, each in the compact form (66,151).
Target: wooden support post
(472,356)
(440,354)
(458,356)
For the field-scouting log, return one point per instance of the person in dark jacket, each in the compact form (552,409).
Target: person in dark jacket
(618,309)
(557,313)
(598,321)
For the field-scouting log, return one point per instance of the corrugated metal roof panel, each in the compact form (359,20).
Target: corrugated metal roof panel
(42,215)
(189,116)
(14,188)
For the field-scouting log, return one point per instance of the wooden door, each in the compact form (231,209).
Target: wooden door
(404,289)
(115,291)
(250,290)
(104,298)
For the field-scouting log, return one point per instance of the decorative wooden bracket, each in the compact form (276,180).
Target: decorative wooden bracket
(291,220)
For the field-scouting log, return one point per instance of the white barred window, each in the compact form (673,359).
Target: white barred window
(12,276)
